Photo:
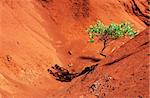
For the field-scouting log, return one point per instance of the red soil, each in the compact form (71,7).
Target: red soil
(123,74)
(34,34)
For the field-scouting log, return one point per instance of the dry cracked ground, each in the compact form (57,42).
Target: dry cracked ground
(35,34)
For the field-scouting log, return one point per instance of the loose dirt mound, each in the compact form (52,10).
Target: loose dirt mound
(34,34)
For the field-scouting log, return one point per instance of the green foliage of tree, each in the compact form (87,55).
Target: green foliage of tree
(113,31)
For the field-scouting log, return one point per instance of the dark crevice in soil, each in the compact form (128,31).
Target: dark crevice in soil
(133,8)
(93,59)
(103,55)
(117,60)
(63,75)
(125,56)
(136,10)
(145,43)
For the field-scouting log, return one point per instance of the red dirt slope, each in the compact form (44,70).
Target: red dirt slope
(124,74)
(34,34)
(66,21)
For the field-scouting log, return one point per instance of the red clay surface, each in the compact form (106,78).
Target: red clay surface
(34,34)
(123,74)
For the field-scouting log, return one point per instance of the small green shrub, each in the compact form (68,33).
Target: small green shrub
(113,31)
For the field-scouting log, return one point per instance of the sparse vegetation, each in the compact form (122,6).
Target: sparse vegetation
(111,32)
